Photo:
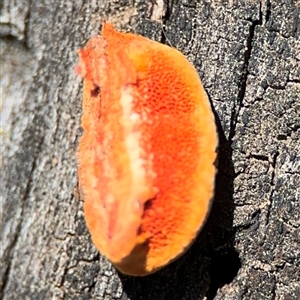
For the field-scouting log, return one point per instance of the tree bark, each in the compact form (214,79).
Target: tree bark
(247,53)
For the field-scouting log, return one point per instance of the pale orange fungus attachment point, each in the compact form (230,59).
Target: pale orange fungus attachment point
(146,158)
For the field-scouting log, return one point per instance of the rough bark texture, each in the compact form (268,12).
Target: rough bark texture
(247,53)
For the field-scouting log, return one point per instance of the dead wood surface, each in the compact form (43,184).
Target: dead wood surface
(247,53)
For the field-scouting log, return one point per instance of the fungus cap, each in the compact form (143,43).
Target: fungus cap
(146,157)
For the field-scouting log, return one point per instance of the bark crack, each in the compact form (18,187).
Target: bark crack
(242,90)
(273,165)
(26,29)
(166,17)
(13,244)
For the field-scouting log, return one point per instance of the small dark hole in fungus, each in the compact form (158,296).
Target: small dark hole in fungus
(147,205)
(95,92)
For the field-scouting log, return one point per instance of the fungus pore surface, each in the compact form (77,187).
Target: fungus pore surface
(146,157)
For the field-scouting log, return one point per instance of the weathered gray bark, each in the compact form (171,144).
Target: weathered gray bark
(247,53)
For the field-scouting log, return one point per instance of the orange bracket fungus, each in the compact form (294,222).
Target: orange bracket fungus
(146,158)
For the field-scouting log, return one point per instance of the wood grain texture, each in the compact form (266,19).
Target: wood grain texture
(247,55)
